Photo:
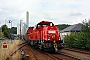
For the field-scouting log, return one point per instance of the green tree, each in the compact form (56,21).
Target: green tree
(62,26)
(14,30)
(5,30)
(86,29)
(76,40)
(69,40)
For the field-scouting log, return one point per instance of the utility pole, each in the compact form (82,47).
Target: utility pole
(10,29)
(11,25)
(5,21)
(20,29)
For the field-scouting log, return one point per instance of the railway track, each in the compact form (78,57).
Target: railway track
(80,54)
(20,47)
(22,43)
(61,56)
(76,50)
(52,56)
(35,54)
(41,55)
(68,55)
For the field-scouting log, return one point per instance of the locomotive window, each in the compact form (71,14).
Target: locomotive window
(50,24)
(39,26)
(44,25)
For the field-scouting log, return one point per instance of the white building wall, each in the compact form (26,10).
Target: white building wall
(24,26)
(18,29)
(23,29)
(63,34)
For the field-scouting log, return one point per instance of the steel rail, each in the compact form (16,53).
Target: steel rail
(68,55)
(16,51)
(34,54)
(75,50)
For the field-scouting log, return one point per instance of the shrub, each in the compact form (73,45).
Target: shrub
(76,40)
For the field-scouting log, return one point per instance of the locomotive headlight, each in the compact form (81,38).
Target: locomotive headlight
(53,37)
(59,38)
(48,38)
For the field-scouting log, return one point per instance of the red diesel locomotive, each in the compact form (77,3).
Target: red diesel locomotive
(45,35)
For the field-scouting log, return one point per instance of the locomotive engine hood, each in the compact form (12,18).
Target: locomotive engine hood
(51,33)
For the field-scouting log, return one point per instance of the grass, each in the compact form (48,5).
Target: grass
(12,46)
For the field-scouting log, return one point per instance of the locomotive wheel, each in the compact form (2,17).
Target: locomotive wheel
(31,42)
(40,46)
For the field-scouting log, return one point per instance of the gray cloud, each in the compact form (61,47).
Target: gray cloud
(14,9)
(48,17)
(75,13)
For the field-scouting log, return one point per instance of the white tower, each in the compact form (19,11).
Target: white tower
(27,18)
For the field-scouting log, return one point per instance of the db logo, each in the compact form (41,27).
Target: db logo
(4,45)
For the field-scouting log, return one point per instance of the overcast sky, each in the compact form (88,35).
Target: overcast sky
(57,11)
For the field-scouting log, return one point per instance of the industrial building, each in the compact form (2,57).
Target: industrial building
(22,27)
